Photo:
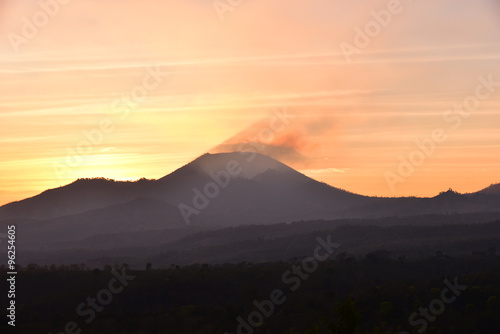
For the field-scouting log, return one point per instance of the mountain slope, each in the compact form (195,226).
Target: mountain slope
(494,189)
(253,189)
(227,189)
(256,184)
(77,197)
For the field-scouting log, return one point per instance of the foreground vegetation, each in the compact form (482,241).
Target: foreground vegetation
(375,293)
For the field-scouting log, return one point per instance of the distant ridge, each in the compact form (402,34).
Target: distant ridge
(493,189)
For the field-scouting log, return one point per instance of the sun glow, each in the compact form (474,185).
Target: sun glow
(220,78)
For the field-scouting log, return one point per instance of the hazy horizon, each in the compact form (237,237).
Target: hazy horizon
(154,179)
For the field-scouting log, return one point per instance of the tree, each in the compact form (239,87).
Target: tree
(346,318)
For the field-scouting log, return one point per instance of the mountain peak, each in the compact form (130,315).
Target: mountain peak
(449,192)
(250,163)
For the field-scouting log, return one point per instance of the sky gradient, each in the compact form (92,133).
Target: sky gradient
(215,80)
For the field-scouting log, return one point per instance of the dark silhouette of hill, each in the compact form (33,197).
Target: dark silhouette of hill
(260,190)
(141,214)
(494,189)
(264,189)
(76,197)
(411,236)
(92,218)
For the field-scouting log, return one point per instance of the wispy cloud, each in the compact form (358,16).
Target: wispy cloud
(353,119)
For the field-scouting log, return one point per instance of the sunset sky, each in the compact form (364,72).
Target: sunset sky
(220,77)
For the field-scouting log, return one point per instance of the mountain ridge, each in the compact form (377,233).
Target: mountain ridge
(261,188)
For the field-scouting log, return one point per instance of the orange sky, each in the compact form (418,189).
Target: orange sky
(218,81)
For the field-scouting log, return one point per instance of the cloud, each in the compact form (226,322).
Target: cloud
(295,143)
